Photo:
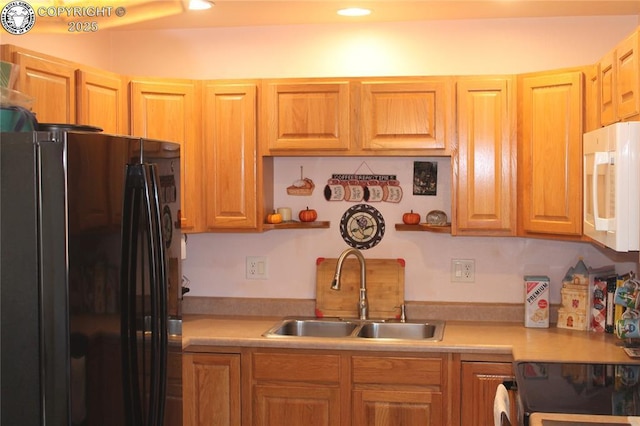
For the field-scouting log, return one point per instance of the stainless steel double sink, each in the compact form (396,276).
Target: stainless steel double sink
(431,330)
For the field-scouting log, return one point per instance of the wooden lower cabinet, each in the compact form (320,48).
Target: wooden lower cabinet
(396,407)
(211,389)
(398,390)
(317,388)
(284,404)
(296,387)
(347,388)
(478,384)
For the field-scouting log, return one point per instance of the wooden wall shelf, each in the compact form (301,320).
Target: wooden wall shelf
(441,229)
(296,225)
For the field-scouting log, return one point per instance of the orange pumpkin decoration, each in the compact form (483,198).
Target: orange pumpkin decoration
(274,218)
(411,218)
(308,215)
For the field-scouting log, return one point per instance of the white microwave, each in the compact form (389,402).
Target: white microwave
(611,186)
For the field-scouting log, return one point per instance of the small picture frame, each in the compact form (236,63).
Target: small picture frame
(425,178)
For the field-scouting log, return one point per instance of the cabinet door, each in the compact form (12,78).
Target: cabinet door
(607,76)
(396,407)
(592,98)
(211,389)
(398,390)
(479,383)
(296,388)
(51,83)
(102,101)
(620,82)
(550,155)
(291,404)
(230,156)
(484,168)
(403,115)
(168,110)
(627,89)
(306,115)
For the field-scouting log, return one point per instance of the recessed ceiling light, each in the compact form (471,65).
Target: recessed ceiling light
(200,4)
(354,11)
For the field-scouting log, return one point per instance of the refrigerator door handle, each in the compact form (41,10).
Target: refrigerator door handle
(128,330)
(141,201)
(157,266)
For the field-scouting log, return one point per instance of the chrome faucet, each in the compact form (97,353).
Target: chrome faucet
(363,306)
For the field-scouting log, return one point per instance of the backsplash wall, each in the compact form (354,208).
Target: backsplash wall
(215,263)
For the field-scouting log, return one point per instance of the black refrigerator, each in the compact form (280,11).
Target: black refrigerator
(90,317)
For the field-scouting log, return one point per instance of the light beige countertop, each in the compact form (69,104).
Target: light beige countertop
(557,419)
(507,338)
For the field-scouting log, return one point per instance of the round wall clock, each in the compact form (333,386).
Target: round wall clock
(362,226)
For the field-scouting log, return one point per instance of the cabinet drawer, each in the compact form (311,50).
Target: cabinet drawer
(296,367)
(396,370)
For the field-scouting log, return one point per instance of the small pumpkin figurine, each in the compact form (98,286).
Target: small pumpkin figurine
(411,218)
(274,218)
(308,215)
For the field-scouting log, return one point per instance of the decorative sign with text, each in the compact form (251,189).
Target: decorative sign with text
(371,188)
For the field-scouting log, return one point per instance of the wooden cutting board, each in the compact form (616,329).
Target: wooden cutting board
(385,288)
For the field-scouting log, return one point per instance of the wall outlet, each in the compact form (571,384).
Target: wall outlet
(463,270)
(257,268)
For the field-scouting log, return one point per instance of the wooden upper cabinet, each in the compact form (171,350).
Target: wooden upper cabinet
(50,81)
(607,80)
(230,155)
(404,115)
(382,116)
(485,165)
(550,154)
(102,101)
(620,82)
(592,98)
(628,78)
(167,110)
(306,115)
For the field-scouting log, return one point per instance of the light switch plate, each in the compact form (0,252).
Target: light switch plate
(463,270)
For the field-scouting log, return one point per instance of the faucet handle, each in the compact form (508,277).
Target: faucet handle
(403,313)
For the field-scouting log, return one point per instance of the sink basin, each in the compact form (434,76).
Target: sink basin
(312,328)
(430,330)
(369,329)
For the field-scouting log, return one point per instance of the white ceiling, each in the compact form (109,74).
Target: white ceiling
(173,14)
(228,13)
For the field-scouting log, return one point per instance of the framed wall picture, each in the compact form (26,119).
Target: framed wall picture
(425,178)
